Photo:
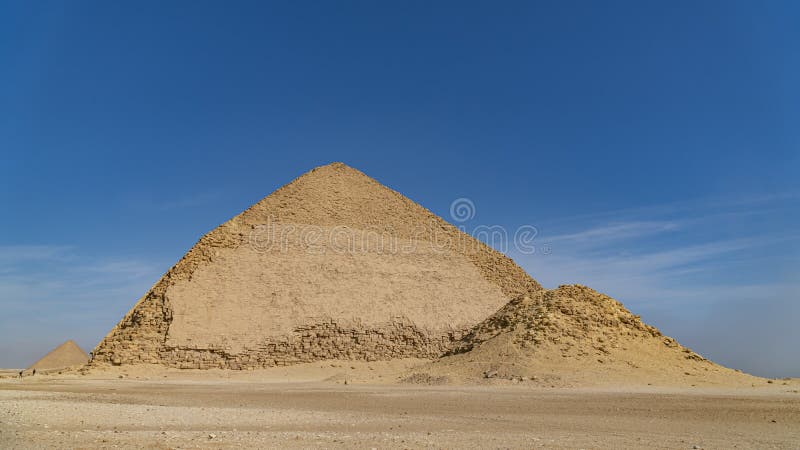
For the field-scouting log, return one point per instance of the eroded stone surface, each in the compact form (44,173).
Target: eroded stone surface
(236,301)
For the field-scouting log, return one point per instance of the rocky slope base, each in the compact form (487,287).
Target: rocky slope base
(574,336)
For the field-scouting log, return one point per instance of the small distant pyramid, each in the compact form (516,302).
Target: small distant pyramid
(331,265)
(576,335)
(65,355)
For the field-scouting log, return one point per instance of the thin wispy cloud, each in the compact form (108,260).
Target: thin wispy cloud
(644,263)
(50,293)
(171,202)
(615,232)
(678,266)
(704,208)
(13,254)
(189,201)
(128,269)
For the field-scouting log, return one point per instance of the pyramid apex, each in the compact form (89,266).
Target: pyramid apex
(335,166)
(335,169)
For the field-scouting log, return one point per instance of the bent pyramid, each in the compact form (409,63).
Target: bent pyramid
(65,355)
(331,265)
(575,335)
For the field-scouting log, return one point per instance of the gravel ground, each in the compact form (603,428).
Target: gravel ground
(76,413)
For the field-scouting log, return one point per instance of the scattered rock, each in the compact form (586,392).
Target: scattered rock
(425,378)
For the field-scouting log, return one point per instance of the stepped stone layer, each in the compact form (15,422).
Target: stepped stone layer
(332,265)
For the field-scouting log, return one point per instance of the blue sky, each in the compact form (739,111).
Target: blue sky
(655,146)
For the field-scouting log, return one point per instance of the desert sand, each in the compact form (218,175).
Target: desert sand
(310,406)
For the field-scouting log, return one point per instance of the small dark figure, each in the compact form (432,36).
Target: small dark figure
(34,372)
(20,374)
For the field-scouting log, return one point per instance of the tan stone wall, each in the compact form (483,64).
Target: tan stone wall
(318,342)
(140,339)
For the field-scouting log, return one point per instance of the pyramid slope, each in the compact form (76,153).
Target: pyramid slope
(65,355)
(574,335)
(383,278)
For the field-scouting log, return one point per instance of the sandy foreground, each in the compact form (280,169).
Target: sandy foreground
(311,406)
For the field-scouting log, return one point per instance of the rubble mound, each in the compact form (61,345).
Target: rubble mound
(575,335)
